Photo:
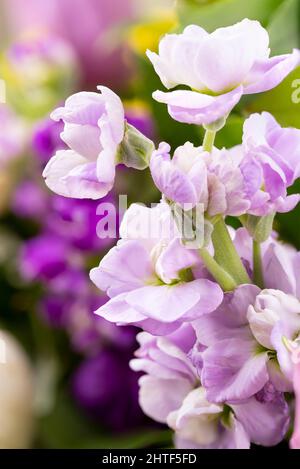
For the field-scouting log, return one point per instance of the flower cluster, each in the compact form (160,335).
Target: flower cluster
(220,315)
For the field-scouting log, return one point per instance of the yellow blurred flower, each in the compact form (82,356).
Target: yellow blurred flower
(146,34)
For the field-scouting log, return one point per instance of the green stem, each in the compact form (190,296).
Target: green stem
(225,280)
(226,255)
(258,276)
(208,141)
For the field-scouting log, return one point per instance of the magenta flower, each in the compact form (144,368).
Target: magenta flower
(171,393)
(94,127)
(149,277)
(219,68)
(270,164)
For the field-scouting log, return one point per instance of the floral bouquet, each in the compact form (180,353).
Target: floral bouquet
(202,273)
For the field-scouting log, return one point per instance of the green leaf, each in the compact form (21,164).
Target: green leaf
(282,102)
(226,12)
(284,28)
(232,132)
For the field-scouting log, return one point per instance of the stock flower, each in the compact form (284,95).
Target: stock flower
(193,176)
(234,367)
(270,164)
(180,401)
(219,68)
(182,179)
(148,275)
(46,140)
(44,256)
(93,129)
(295,439)
(246,337)
(30,200)
(96,387)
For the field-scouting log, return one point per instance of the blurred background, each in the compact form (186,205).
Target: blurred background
(66,381)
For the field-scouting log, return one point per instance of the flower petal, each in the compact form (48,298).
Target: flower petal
(233,370)
(196,108)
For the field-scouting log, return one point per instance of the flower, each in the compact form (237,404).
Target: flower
(96,387)
(270,164)
(295,439)
(234,366)
(246,336)
(93,129)
(170,392)
(97,19)
(29,200)
(44,256)
(148,275)
(219,68)
(193,176)
(39,70)
(182,179)
(274,318)
(16,394)
(46,139)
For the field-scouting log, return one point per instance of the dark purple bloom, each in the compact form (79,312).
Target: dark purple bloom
(43,257)
(106,387)
(30,200)
(46,140)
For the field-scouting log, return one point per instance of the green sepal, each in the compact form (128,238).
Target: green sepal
(135,149)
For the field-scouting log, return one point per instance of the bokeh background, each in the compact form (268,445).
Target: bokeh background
(66,382)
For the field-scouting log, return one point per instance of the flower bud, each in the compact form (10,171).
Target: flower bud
(135,149)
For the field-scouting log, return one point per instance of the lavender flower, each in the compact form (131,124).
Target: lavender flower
(219,68)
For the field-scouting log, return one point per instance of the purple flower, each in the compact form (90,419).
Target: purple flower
(219,68)
(149,280)
(234,366)
(93,129)
(295,439)
(97,384)
(182,179)
(181,402)
(270,164)
(138,115)
(30,200)
(46,140)
(193,176)
(274,320)
(247,336)
(44,257)
(76,221)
